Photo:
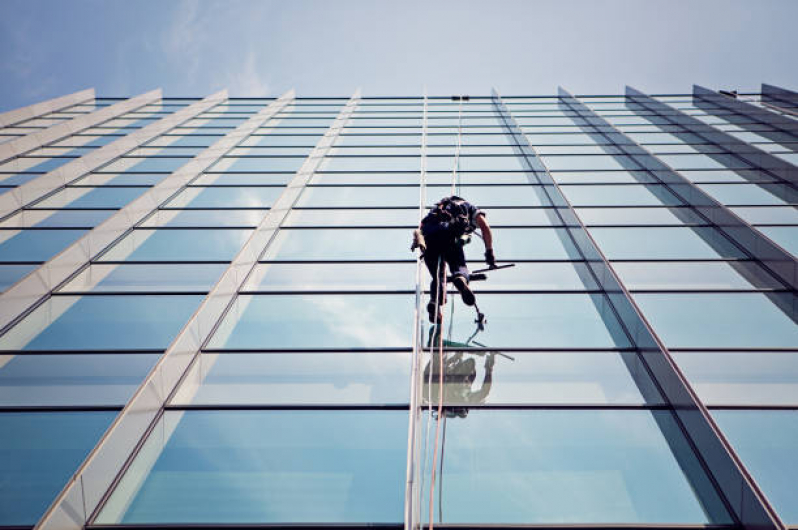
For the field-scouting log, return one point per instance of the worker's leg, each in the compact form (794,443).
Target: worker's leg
(455,258)
(437,287)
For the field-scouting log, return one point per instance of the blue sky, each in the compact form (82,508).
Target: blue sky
(326,47)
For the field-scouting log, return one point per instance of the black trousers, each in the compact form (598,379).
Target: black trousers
(444,249)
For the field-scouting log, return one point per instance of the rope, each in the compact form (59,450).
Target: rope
(439,327)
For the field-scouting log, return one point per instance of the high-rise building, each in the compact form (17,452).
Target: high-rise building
(210,315)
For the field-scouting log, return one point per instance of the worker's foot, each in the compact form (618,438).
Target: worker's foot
(465,291)
(435,313)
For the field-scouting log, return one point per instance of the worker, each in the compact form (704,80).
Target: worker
(441,236)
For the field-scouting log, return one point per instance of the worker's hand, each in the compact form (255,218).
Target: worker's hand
(418,241)
(490,259)
(490,360)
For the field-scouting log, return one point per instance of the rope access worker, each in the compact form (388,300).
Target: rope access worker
(441,236)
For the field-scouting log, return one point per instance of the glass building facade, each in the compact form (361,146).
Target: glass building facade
(210,315)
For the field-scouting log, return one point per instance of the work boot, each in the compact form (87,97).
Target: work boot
(465,291)
(434,311)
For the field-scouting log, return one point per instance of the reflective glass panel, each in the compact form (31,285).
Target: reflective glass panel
(316,321)
(784,236)
(359,196)
(620,195)
(361,217)
(190,277)
(178,245)
(742,378)
(768,215)
(91,198)
(720,320)
(102,322)
(11,274)
(332,277)
(637,216)
(227,197)
(291,378)
(766,440)
(570,466)
(71,380)
(663,243)
(205,218)
(278,467)
(35,245)
(473,377)
(705,275)
(39,452)
(748,194)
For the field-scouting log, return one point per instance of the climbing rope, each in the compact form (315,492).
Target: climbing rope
(455,190)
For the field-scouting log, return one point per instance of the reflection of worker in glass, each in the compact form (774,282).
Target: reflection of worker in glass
(459,375)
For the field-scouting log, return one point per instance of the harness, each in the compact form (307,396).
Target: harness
(450,214)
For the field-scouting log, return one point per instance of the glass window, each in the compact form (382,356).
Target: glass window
(473,377)
(619,195)
(35,245)
(340,244)
(56,218)
(784,236)
(353,196)
(664,243)
(747,194)
(71,380)
(296,377)
(258,164)
(332,277)
(279,467)
(205,244)
(526,243)
(91,198)
(716,175)
(570,466)
(571,162)
(768,215)
(100,322)
(599,177)
(205,218)
(489,196)
(704,275)
(244,179)
(638,216)
(360,163)
(742,378)
(185,277)
(537,320)
(11,274)
(39,452)
(156,164)
(361,217)
(765,440)
(721,320)
(227,197)
(317,321)
(701,162)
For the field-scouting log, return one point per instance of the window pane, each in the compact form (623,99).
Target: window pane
(71,380)
(359,196)
(206,218)
(332,277)
(706,275)
(748,194)
(664,243)
(620,195)
(100,322)
(91,198)
(310,378)
(474,377)
(35,245)
(768,215)
(11,274)
(572,466)
(178,245)
(785,236)
(317,321)
(279,467)
(249,197)
(637,216)
(742,378)
(766,442)
(738,320)
(365,217)
(39,452)
(144,278)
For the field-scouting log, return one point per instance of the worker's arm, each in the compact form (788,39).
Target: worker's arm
(487,238)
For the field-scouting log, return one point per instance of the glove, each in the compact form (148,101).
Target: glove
(418,241)
(490,259)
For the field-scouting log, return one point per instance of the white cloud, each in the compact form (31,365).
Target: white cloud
(248,81)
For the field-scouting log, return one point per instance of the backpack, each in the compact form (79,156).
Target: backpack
(452,214)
